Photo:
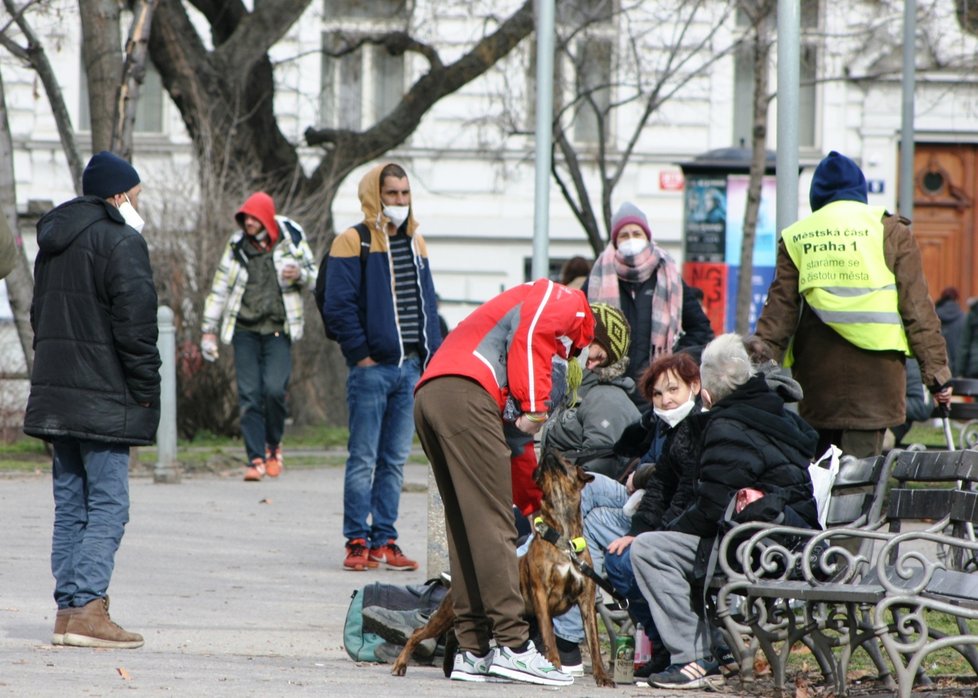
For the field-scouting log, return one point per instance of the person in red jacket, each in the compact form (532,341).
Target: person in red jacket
(495,371)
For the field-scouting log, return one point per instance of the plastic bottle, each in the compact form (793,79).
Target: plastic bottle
(643,647)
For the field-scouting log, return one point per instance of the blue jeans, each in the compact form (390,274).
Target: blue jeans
(263,365)
(381,404)
(91,510)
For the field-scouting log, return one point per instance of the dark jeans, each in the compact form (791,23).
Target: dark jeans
(263,365)
(91,509)
(618,569)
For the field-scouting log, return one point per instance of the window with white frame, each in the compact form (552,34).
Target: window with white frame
(363,86)
(582,69)
(593,87)
(743,101)
(149,107)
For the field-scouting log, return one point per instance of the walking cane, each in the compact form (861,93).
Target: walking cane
(945,412)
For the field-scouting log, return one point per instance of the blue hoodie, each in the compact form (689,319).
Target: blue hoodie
(837,178)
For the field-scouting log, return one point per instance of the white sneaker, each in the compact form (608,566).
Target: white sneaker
(529,667)
(472,668)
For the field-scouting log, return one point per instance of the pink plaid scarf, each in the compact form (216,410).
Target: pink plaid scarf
(667,300)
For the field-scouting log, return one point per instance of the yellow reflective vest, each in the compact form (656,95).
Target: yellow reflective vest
(842,274)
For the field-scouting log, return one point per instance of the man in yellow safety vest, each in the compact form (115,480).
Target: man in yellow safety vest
(848,304)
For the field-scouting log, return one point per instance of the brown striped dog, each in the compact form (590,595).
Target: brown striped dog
(550,579)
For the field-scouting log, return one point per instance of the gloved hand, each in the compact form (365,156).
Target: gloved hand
(208,347)
(636,438)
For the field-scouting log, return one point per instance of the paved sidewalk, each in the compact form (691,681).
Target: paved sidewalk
(237,587)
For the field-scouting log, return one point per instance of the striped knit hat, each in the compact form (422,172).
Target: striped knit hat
(611,331)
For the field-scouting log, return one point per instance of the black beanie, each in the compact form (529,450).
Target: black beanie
(837,178)
(107,175)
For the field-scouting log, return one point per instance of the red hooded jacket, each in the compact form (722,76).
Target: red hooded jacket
(507,344)
(261,206)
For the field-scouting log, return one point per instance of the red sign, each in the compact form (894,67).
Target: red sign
(671,180)
(711,278)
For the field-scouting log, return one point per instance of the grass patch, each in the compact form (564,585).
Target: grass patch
(931,437)
(944,662)
(308,447)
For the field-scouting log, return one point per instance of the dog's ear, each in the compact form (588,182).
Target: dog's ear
(584,476)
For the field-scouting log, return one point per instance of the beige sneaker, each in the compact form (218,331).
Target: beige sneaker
(91,626)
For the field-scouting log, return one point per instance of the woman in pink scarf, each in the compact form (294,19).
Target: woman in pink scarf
(639,277)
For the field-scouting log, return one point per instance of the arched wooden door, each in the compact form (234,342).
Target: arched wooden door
(944,215)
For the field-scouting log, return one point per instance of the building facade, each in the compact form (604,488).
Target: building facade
(471,159)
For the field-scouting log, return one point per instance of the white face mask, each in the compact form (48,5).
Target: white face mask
(632,246)
(397,214)
(677,414)
(130,215)
(582,357)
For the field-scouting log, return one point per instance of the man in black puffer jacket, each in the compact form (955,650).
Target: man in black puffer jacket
(750,440)
(95,386)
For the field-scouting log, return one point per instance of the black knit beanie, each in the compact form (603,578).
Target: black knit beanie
(107,175)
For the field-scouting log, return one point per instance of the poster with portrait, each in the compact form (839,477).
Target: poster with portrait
(705,221)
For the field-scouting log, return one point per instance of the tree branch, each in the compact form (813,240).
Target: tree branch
(255,34)
(392,130)
(397,43)
(38,59)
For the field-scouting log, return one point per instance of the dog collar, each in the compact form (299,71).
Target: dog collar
(549,534)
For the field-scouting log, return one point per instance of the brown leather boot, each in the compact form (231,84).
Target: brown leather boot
(60,623)
(91,626)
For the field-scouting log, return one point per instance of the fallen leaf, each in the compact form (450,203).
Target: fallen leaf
(801,687)
(265,501)
(124,674)
(761,666)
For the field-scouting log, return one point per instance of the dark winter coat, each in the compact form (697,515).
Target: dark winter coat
(968,355)
(952,327)
(750,440)
(590,428)
(96,366)
(636,304)
(670,483)
(847,387)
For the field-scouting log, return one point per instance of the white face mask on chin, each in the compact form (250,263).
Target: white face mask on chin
(131,216)
(632,246)
(676,414)
(397,214)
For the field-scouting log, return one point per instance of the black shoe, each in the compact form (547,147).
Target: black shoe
(658,663)
(397,627)
(727,661)
(571,661)
(700,673)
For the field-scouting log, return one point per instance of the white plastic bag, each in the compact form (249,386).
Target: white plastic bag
(823,473)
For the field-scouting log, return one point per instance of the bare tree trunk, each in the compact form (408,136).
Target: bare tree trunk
(20,283)
(133,73)
(762,50)
(102,58)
